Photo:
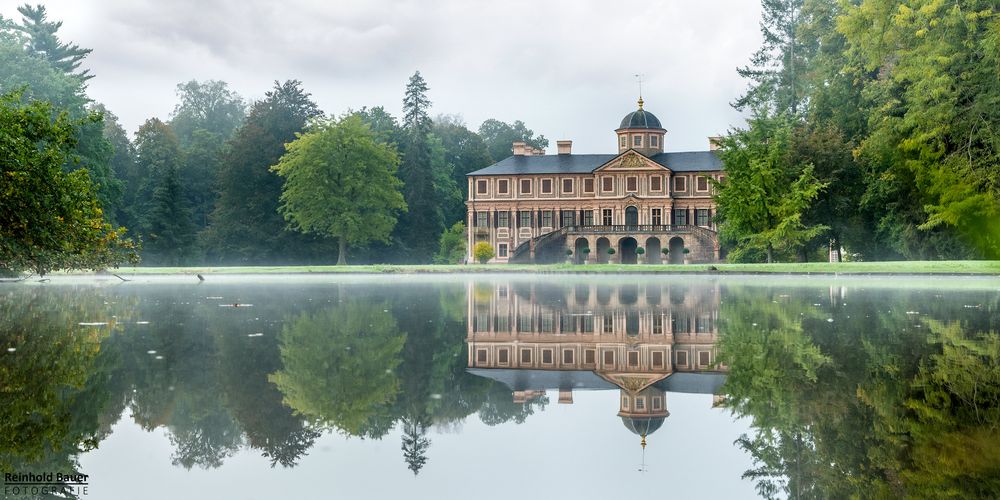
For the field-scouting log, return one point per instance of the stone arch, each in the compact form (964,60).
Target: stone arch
(602,250)
(653,250)
(626,248)
(676,250)
(579,256)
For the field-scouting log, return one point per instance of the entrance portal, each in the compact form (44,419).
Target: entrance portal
(627,248)
(676,250)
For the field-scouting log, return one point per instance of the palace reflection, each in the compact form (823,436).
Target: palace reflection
(643,339)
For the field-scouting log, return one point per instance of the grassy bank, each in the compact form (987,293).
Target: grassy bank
(956,267)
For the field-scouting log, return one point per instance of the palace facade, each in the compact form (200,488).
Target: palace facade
(644,340)
(533,207)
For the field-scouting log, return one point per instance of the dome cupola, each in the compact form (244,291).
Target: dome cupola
(641,130)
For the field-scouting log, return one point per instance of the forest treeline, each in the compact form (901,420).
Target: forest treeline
(873,128)
(197,187)
(875,125)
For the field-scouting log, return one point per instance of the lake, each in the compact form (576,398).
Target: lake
(493,386)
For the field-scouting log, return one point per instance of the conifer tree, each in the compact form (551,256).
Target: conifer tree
(421,226)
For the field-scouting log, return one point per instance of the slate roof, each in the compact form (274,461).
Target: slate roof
(691,161)
(640,119)
(523,380)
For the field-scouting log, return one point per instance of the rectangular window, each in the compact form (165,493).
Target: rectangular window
(657,323)
(680,183)
(546,218)
(524,218)
(503,219)
(482,219)
(606,216)
(640,403)
(525,186)
(633,358)
(568,218)
(547,356)
(588,217)
(654,141)
(609,324)
(503,186)
(480,187)
(680,217)
(682,358)
(657,403)
(701,216)
(524,322)
(703,358)
(656,216)
(526,356)
(589,356)
(623,141)
(636,141)
(481,356)
(588,324)
(588,185)
(631,183)
(702,183)
(607,184)
(567,186)
(609,357)
(657,359)
(568,357)
(546,186)
(503,356)
(656,183)
(502,250)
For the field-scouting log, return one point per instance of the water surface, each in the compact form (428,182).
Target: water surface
(487,387)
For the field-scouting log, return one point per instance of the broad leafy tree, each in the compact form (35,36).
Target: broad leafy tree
(50,219)
(340,183)
(500,136)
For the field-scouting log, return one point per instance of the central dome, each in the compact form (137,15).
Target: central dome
(643,426)
(640,118)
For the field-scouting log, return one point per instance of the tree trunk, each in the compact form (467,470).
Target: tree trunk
(769,253)
(342,253)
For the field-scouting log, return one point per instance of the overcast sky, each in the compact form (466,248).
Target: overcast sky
(566,68)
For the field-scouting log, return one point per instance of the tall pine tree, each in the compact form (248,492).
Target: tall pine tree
(421,226)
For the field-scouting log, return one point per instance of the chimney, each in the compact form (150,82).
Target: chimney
(714,143)
(519,149)
(565,147)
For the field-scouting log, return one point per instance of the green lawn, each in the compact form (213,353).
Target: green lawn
(914,267)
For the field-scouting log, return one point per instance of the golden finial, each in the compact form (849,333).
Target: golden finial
(639,77)
(643,442)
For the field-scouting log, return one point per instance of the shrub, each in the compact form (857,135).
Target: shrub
(569,251)
(483,252)
(666,251)
(640,251)
(585,250)
(686,251)
(611,251)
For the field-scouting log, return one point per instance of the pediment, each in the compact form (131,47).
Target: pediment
(633,382)
(631,161)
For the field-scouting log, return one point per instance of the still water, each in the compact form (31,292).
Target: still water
(500,387)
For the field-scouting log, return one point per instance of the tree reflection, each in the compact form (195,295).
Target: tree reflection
(339,365)
(867,397)
(57,395)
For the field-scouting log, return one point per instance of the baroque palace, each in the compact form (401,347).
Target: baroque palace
(533,207)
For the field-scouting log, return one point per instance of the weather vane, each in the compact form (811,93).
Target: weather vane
(638,77)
